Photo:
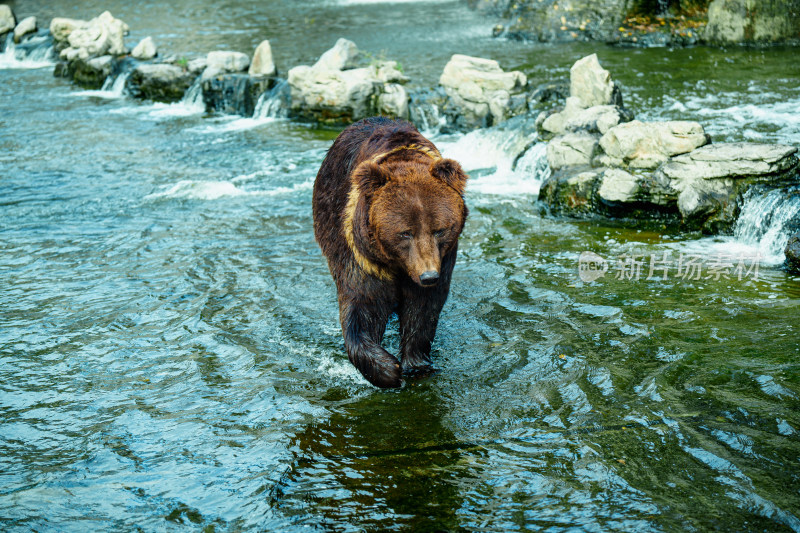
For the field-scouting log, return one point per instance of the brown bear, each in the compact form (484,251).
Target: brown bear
(388,211)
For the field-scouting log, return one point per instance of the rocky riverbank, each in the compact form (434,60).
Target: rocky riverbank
(601,162)
(648,22)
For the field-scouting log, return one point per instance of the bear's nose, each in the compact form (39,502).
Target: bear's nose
(429,278)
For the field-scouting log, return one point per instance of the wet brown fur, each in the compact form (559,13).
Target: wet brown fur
(387,210)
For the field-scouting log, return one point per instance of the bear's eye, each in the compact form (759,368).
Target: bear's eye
(439,233)
(405,235)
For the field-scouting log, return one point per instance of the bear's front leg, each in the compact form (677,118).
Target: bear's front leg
(363,326)
(419,315)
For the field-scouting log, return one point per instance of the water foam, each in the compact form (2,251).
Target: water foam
(501,162)
(765,222)
(272,106)
(214,190)
(233,124)
(274,103)
(191,104)
(113,87)
(37,53)
(198,190)
(768,117)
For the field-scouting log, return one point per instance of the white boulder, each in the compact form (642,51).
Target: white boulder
(332,91)
(480,89)
(618,186)
(61,28)
(342,56)
(263,64)
(7,20)
(709,178)
(591,83)
(571,149)
(224,62)
(574,117)
(646,145)
(100,36)
(146,49)
(393,101)
(26,26)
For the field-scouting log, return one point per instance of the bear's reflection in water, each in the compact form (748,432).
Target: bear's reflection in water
(372,465)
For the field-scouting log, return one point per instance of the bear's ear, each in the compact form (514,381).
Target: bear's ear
(450,172)
(369,177)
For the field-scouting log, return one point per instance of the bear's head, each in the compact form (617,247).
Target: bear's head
(414,214)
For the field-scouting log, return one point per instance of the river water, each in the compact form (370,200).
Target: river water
(170,357)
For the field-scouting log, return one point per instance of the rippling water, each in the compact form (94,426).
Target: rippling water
(170,356)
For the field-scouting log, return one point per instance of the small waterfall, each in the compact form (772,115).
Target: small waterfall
(193,99)
(532,165)
(428,118)
(273,103)
(33,52)
(113,87)
(118,85)
(766,221)
(505,159)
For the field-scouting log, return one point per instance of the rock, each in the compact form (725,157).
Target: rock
(92,73)
(481,91)
(324,93)
(7,20)
(560,20)
(61,28)
(571,192)
(393,102)
(331,95)
(584,191)
(342,56)
(146,49)
(571,149)
(263,64)
(223,62)
(648,144)
(160,82)
(574,117)
(234,94)
(196,66)
(734,160)
(618,186)
(555,91)
(594,104)
(792,253)
(88,73)
(424,109)
(765,21)
(100,36)
(711,179)
(26,26)
(701,190)
(389,72)
(592,84)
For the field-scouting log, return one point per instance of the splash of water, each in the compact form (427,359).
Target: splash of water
(273,103)
(766,221)
(35,52)
(193,99)
(504,160)
(429,119)
(113,87)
